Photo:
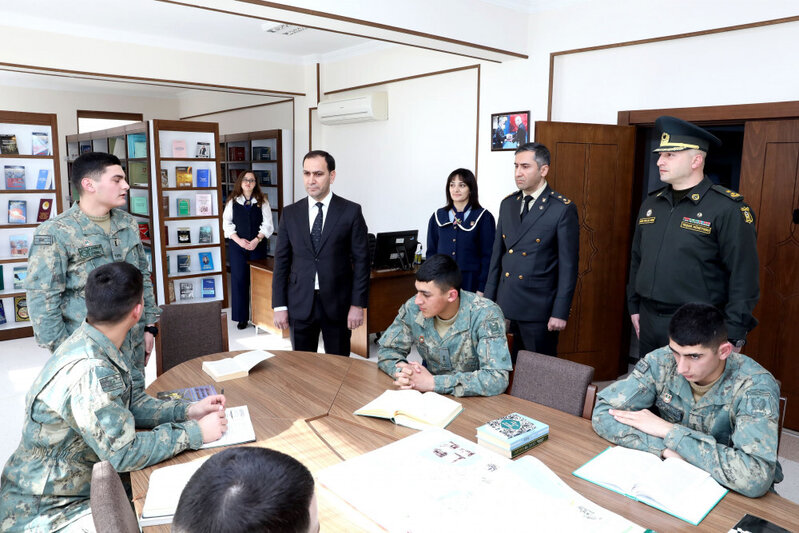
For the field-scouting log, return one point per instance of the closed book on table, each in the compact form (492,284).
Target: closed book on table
(514,453)
(512,431)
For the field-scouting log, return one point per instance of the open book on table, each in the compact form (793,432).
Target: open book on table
(671,485)
(413,409)
(235,367)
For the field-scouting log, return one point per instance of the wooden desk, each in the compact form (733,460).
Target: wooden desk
(302,404)
(388,290)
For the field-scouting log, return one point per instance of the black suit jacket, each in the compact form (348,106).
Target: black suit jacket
(534,263)
(342,261)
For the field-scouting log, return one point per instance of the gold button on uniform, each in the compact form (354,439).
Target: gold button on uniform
(521,277)
(510,251)
(524,254)
(503,235)
(507,274)
(453,240)
(453,253)
(538,240)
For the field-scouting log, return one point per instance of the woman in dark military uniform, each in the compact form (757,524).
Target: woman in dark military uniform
(463,230)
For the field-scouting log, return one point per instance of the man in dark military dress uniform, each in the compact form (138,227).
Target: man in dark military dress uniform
(694,241)
(533,268)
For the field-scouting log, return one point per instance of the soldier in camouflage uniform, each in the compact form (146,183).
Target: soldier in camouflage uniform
(698,400)
(82,409)
(460,336)
(68,247)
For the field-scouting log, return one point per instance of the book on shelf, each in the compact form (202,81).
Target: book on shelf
(137,173)
(21,309)
(183,177)
(184,263)
(137,145)
(190,394)
(672,485)
(144,231)
(179,149)
(206,261)
(203,150)
(754,524)
(8,144)
(2,281)
(116,147)
(43,180)
(235,153)
(261,153)
(171,290)
(233,175)
(209,288)
(203,203)
(3,319)
(15,177)
(72,151)
(264,177)
(138,205)
(184,236)
(164,177)
(19,245)
(17,212)
(45,206)
(165,204)
(186,290)
(235,367)
(148,254)
(206,235)
(40,143)
(184,207)
(203,177)
(20,273)
(413,409)
(512,434)
(85,148)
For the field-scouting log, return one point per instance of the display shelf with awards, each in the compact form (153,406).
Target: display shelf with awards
(30,193)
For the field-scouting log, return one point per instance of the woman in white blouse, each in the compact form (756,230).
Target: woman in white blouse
(247,223)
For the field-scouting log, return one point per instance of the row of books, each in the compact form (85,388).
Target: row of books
(205,235)
(19,275)
(186,289)
(202,149)
(184,177)
(20,310)
(16,178)
(264,177)
(40,143)
(184,262)
(203,205)
(18,211)
(19,245)
(259,153)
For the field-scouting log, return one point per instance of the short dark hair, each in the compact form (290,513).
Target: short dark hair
(246,489)
(331,163)
(442,270)
(112,290)
(698,324)
(468,178)
(91,165)
(541,152)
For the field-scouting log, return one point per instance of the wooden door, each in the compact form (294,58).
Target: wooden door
(592,165)
(770,185)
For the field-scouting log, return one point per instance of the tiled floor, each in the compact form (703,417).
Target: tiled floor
(22,360)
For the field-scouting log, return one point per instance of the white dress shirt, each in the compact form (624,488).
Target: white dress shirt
(535,196)
(267,227)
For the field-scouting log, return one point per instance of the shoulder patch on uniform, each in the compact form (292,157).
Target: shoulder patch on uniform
(729,193)
(642,366)
(511,194)
(43,240)
(560,197)
(112,383)
(748,218)
(760,403)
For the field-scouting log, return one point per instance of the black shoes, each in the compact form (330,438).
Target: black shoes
(242,325)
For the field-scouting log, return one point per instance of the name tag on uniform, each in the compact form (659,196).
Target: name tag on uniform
(43,240)
(694,224)
(646,220)
(112,383)
(88,252)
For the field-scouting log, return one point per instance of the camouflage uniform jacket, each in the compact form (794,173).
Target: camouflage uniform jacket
(731,432)
(82,409)
(64,251)
(471,360)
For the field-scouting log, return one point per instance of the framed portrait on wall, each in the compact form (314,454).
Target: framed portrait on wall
(509,130)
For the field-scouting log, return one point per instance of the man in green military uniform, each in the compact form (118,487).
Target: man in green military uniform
(460,336)
(698,400)
(694,241)
(82,409)
(65,249)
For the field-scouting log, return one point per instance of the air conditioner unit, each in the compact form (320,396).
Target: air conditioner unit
(362,108)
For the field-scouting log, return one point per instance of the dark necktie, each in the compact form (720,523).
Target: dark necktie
(527,199)
(316,230)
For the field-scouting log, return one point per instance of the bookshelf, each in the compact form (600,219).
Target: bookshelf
(264,153)
(36,156)
(187,203)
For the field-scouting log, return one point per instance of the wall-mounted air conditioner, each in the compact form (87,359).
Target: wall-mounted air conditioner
(362,108)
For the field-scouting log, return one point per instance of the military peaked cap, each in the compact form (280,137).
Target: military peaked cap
(677,135)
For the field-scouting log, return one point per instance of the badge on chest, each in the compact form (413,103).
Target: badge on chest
(88,252)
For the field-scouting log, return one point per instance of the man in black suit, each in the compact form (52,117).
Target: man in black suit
(533,268)
(321,276)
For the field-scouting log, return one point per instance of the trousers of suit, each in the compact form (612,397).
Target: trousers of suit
(240,278)
(533,337)
(335,333)
(654,323)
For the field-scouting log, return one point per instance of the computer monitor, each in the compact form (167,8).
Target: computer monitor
(395,250)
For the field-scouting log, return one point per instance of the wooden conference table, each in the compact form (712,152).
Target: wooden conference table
(301,404)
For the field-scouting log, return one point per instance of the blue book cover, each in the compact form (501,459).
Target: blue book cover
(206,261)
(2,313)
(42,181)
(203,177)
(209,288)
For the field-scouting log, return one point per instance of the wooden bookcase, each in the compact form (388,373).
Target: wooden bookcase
(23,126)
(269,171)
(167,136)
(130,143)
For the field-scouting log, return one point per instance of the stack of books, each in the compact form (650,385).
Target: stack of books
(512,435)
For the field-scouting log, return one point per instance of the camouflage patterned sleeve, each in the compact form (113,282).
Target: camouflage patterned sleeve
(636,392)
(96,409)
(749,464)
(396,342)
(493,358)
(45,286)
(150,412)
